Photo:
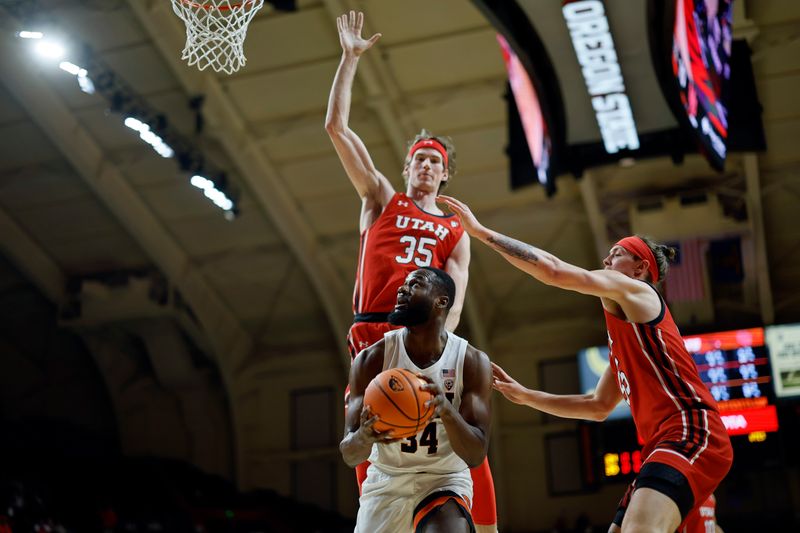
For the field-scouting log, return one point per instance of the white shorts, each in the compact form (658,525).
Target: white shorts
(388,501)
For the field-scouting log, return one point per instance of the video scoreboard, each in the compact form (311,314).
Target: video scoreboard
(735,367)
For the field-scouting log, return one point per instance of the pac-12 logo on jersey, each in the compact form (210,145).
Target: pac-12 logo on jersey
(449,378)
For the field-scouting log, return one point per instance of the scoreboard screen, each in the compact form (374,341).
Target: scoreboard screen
(701,51)
(735,367)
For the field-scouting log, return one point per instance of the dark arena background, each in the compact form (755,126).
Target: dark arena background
(178,247)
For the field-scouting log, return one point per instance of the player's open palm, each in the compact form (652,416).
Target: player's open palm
(464,213)
(350,26)
(508,386)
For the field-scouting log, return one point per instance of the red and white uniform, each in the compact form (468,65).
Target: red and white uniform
(702,519)
(674,413)
(402,239)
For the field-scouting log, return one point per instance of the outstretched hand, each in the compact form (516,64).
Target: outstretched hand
(508,386)
(462,210)
(350,26)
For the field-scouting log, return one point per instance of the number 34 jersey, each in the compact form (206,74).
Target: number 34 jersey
(402,239)
(429,450)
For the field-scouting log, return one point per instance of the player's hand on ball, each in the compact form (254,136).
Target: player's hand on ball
(439,401)
(368,431)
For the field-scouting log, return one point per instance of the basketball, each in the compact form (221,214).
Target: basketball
(396,397)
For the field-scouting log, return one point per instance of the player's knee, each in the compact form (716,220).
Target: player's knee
(446,519)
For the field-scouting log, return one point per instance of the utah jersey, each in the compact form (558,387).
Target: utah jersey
(430,450)
(402,239)
(659,380)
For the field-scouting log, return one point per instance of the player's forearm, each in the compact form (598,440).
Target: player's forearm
(453,317)
(531,260)
(355,449)
(468,442)
(341,93)
(580,406)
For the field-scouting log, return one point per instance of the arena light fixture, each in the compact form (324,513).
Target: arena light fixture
(210,190)
(84,82)
(150,124)
(50,49)
(72,68)
(28,34)
(148,136)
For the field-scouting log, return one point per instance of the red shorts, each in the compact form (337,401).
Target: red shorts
(704,467)
(364,334)
(693,473)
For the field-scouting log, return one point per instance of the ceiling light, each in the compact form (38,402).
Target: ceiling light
(25,34)
(72,68)
(50,49)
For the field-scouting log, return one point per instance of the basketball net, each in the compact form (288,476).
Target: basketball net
(215,31)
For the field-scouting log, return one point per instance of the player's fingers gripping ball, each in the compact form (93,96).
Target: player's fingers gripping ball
(396,396)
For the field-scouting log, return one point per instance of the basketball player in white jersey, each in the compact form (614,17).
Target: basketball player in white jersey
(421,483)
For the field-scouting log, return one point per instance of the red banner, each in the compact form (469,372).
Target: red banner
(750,420)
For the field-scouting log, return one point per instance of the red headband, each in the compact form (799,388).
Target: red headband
(430,143)
(639,248)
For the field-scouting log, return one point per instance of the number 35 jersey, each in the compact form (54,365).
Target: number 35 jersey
(402,239)
(430,450)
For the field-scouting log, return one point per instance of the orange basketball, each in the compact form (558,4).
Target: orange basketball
(396,397)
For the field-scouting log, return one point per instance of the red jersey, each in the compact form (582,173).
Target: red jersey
(659,380)
(701,519)
(402,239)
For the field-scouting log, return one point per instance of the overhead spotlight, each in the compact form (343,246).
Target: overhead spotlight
(149,137)
(26,34)
(72,68)
(211,192)
(50,49)
(86,84)
(200,182)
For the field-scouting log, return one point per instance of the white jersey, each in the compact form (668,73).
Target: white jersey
(430,450)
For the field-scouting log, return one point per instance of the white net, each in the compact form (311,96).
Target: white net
(215,31)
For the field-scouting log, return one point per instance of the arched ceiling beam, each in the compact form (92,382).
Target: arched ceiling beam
(255,168)
(31,260)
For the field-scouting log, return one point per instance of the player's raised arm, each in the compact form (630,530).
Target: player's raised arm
(546,267)
(595,406)
(458,267)
(359,433)
(369,183)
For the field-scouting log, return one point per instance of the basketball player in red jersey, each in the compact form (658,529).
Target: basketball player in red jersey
(400,232)
(687,450)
